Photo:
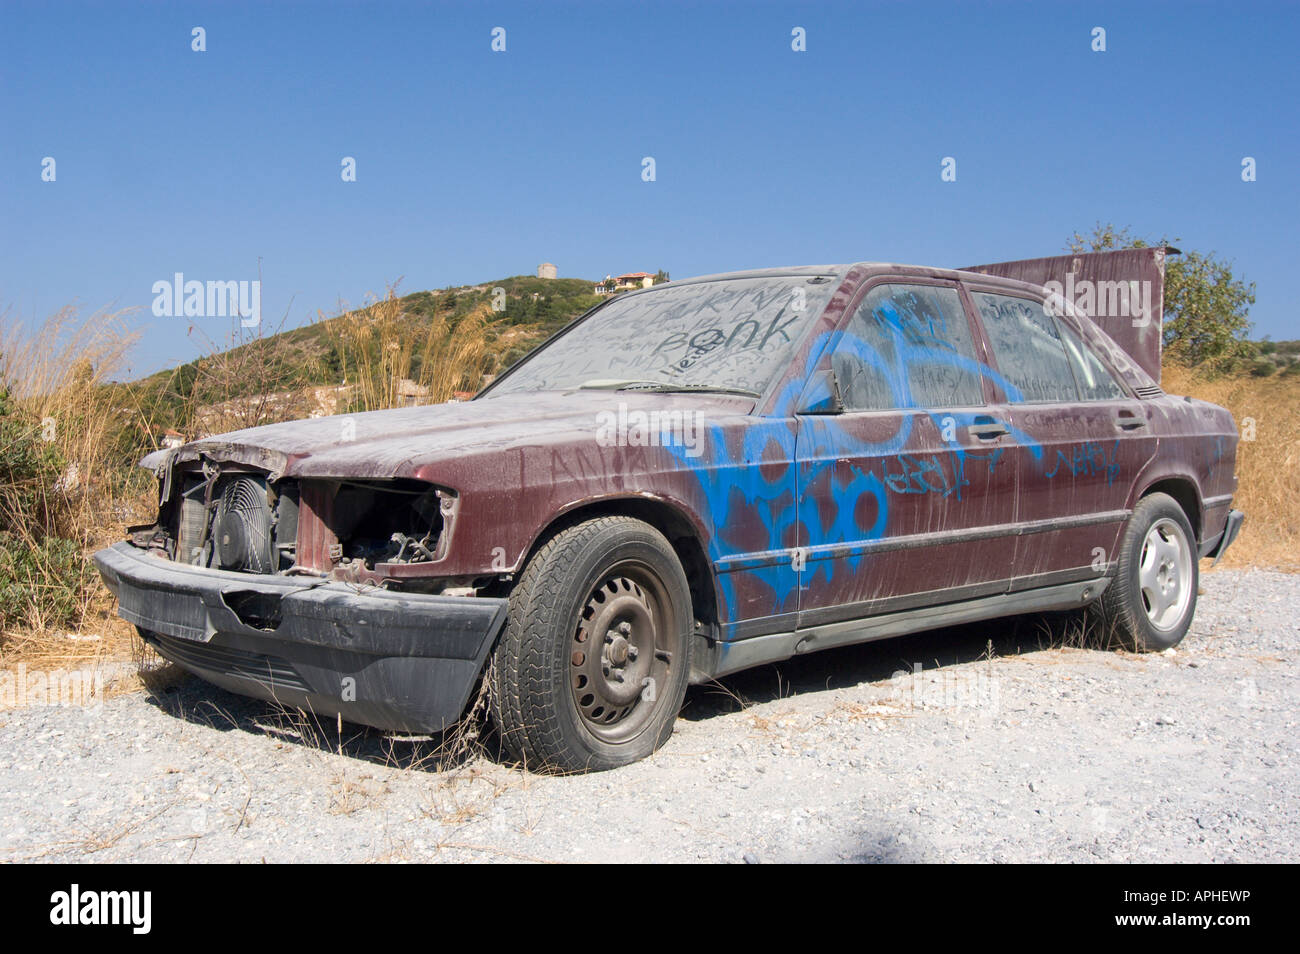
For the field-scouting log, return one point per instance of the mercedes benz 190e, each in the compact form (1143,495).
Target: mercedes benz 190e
(688,480)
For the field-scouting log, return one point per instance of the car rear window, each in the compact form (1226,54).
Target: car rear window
(1028,347)
(1096,383)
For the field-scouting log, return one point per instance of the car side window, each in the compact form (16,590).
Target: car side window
(1096,383)
(907,346)
(1030,353)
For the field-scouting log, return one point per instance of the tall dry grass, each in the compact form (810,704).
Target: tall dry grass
(380,347)
(241,380)
(57,372)
(1268,467)
(64,494)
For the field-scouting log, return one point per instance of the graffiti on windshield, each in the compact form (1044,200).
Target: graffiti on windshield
(736,333)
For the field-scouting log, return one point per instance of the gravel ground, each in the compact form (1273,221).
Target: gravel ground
(1007,745)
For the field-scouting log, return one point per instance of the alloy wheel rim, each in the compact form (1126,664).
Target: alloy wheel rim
(1165,574)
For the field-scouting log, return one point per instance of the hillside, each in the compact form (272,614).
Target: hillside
(288,363)
(1272,357)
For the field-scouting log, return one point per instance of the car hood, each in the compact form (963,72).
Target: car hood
(398,442)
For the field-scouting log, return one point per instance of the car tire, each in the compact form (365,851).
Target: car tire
(1149,603)
(613,585)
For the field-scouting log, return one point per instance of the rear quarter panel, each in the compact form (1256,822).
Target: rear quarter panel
(1198,442)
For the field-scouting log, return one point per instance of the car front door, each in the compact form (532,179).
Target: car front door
(906,496)
(1084,439)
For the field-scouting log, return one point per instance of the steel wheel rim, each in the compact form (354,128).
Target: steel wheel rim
(1165,574)
(620,658)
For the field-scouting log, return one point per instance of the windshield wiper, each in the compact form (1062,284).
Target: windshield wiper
(662,387)
(610,384)
(665,387)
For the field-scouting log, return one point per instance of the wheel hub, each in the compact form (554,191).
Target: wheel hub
(615,655)
(618,649)
(1164,566)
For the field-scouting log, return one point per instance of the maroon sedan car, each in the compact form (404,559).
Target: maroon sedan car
(688,480)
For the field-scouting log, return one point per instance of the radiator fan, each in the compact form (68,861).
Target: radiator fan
(242,529)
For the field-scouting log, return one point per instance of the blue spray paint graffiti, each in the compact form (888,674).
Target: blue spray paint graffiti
(760,476)
(942,474)
(1087,459)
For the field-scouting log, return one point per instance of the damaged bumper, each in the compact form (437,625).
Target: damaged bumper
(399,661)
(1216,546)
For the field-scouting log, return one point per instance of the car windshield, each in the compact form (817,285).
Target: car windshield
(731,335)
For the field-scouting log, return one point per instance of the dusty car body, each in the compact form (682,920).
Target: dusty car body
(829,454)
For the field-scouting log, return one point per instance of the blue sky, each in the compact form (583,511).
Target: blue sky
(474,165)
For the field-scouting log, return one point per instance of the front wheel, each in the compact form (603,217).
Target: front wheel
(1149,604)
(592,666)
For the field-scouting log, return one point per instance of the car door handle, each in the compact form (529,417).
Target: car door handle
(1128,421)
(987,429)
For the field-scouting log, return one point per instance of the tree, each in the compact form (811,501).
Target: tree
(1206,305)
(660,277)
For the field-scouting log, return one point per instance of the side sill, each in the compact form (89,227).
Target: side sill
(732,657)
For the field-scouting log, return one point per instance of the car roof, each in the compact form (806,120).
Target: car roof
(792,271)
(839,271)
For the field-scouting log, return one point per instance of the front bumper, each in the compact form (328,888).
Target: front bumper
(399,661)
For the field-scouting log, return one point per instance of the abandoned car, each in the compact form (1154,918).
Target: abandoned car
(688,480)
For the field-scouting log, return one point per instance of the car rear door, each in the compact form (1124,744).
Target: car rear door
(1082,438)
(906,497)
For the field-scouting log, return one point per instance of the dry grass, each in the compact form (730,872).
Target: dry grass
(242,374)
(55,374)
(1268,467)
(857,711)
(379,347)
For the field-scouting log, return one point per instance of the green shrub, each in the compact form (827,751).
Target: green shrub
(43,576)
(42,585)
(29,469)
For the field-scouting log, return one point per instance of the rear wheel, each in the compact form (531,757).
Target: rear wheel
(1149,604)
(592,666)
